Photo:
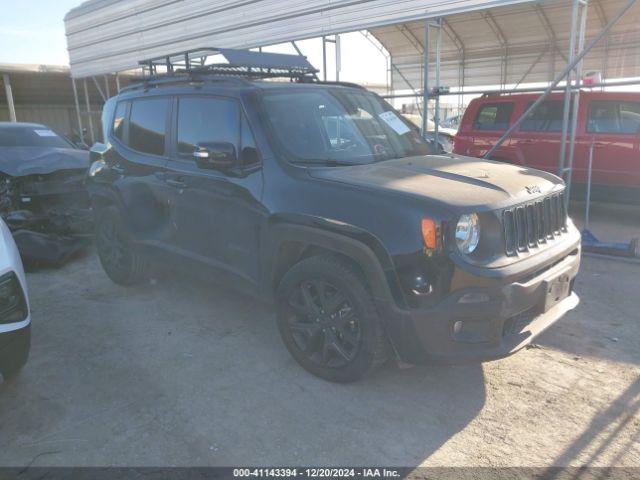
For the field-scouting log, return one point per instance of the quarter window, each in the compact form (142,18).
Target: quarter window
(207,120)
(147,125)
(547,117)
(119,119)
(610,116)
(494,116)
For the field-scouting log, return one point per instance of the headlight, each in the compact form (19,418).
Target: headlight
(13,306)
(468,233)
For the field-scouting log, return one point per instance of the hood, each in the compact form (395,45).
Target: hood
(451,180)
(21,161)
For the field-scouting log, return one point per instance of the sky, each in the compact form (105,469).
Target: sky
(32,32)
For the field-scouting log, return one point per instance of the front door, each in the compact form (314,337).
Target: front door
(613,128)
(215,214)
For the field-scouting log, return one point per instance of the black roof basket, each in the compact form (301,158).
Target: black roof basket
(231,62)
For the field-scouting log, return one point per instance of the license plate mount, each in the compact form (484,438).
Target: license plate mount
(557,290)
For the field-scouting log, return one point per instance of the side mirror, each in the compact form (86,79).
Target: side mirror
(99,151)
(216,156)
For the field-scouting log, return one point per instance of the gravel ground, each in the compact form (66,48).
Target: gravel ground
(182,373)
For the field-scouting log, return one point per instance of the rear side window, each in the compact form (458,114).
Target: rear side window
(147,125)
(206,120)
(494,116)
(611,116)
(119,119)
(547,117)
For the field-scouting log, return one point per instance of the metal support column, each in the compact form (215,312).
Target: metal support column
(338,58)
(9,92)
(79,116)
(567,93)
(565,71)
(86,99)
(117,83)
(425,79)
(436,116)
(106,86)
(324,58)
(576,100)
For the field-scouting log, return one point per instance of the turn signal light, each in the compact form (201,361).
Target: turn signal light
(429,233)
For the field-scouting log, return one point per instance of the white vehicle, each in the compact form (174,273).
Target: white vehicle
(15,318)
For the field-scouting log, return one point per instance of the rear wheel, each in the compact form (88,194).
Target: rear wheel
(118,255)
(327,320)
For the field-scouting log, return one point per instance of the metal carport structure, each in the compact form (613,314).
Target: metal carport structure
(477,42)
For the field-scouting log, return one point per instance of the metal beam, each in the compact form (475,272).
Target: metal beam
(567,94)
(77,104)
(565,71)
(551,33)
(532,66)
(338,58)
(86,99)
(453,35)
(576,99)
(502,39)
(425,79)
(413,40)
(9,92)
(104,98)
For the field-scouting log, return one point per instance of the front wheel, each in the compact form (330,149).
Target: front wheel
(119,258)
(327,320)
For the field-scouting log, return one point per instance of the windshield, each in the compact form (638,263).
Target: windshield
(340,126)
(31,137)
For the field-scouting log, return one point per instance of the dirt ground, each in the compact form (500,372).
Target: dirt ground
(183,373)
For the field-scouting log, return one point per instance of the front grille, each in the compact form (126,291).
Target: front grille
(530,225)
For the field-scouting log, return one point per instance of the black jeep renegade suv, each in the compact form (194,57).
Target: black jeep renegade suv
(323,198)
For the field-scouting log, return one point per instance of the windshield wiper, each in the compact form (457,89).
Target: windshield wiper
(326,163)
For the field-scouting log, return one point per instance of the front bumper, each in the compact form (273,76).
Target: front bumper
(505,317)
(14,350)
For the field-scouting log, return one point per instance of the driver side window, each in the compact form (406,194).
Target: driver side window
(207,120)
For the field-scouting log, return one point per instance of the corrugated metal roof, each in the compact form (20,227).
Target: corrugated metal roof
(500,41)
(535,34)
(113,35)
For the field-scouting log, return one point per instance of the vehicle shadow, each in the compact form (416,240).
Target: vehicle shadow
(587,448)
(605,323)
(397,416)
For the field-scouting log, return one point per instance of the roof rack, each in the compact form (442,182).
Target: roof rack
(236,63)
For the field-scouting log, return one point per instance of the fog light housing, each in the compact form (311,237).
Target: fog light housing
(421,286)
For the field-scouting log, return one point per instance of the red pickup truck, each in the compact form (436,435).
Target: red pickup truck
(609,120)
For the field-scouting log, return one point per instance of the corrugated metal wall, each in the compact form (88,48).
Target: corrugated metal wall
(108,36)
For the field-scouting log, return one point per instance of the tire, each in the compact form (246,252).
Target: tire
(120,258)
(327,320)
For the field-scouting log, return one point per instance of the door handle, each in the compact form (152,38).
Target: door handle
(599,145)
(175,183)
(526,142)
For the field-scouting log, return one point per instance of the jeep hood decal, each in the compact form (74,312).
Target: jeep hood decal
(454,180)
(21,161)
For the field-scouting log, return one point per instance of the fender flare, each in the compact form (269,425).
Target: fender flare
(366,250)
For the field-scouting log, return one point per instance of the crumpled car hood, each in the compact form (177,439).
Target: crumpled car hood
(21,161)
(452,180)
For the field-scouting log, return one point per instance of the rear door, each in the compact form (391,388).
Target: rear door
(215,215)
(140,145)
(613,126)
(538,138)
